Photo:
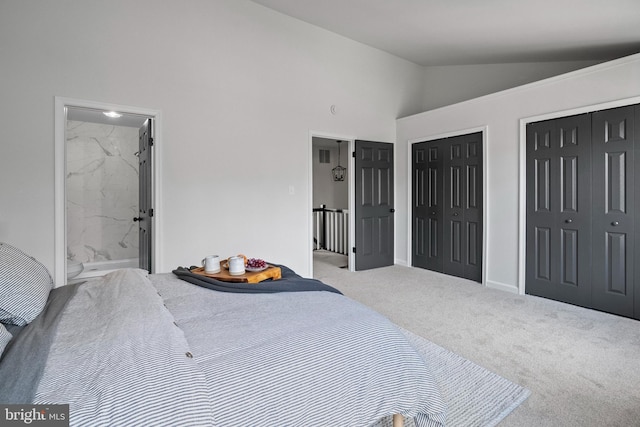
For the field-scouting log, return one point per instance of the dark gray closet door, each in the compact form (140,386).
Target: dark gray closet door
(463,206)
(427,203)
(558,226)
(374,226)
(447,205)
(614,210)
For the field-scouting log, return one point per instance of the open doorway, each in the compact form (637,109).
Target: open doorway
(102,191)
(331,195)
(105,189)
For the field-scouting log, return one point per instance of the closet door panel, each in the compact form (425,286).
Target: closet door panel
(541,277)
(463,206)
(558,209)
(473,206)
(613,210)
(455,188)
(543,254)
(428,187)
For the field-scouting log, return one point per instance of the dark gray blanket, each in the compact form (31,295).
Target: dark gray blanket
(290,282)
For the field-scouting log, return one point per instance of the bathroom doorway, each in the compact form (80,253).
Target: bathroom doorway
(108,190)
(103,190)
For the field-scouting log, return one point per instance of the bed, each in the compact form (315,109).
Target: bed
(138,349)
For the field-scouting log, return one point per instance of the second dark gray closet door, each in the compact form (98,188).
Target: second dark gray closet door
(613,211)
(559,209)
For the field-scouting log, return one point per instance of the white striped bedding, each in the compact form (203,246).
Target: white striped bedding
(133,351)
(24,286)
(118,359)
(301,358)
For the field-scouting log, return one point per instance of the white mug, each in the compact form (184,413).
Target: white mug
(211,264)
(236,265)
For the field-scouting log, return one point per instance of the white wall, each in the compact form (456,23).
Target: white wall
(239,87)
(446,85)
(603,85)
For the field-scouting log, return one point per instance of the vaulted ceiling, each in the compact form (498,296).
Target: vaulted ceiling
(462,32)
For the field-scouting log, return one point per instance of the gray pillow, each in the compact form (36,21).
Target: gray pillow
(5,337)
(24,286)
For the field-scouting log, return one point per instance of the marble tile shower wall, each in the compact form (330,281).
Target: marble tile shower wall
(102,192)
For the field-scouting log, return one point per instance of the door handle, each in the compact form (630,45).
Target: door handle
(138,218)
(568,221)
(614,223)
(392,210)
(455,214)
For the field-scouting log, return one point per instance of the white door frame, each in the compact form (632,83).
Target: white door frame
(60,191)
(350,176)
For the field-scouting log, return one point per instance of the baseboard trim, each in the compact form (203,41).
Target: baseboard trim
(502,287)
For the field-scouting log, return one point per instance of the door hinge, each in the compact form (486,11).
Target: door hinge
(150,142)
(353,249)
(353,154)
(150,212)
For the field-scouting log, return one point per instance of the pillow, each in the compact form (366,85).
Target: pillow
(24,286)
(5,337)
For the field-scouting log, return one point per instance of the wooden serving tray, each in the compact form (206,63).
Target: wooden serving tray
(270,272)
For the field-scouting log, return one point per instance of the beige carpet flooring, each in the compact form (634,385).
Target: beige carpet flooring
(582,366)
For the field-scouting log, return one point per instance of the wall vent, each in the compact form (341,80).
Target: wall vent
(325,156)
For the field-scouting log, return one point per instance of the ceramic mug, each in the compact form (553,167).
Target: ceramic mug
(211,264)
(236,265)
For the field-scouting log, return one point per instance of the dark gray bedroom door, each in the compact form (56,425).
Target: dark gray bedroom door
(145,209)
(447,205)
(582,222)
(374,208)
